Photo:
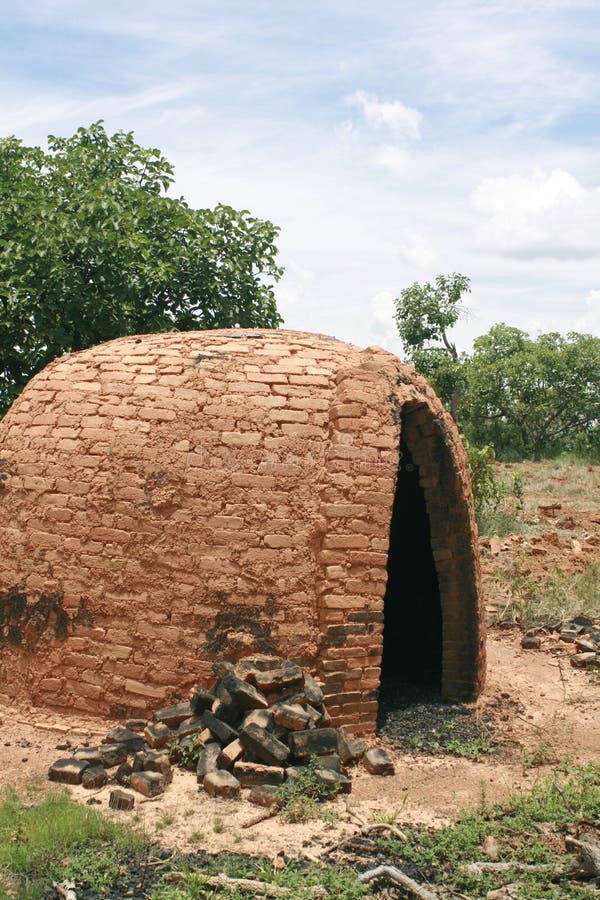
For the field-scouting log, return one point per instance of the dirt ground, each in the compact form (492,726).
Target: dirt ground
(538,703)
(541,708)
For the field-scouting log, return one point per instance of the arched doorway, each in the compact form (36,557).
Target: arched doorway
(433,629)
(412,641)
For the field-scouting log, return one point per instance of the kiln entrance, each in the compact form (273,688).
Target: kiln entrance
(412,636)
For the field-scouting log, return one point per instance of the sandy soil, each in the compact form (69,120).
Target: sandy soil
(536,697)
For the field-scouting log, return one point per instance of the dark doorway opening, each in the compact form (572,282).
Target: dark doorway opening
(412,635)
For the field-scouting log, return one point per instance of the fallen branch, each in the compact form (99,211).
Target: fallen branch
(398,877)
(355,815)
(481,868)
(251,885)
(384,826)
(65,889)
(589,855)
(267,814)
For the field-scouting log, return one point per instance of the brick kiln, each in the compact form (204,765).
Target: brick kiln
(170,499)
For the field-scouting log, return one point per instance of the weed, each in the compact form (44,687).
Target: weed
(186,752)
(301,797)
(196,837)
(543,754)
(557,802)
(475,749)
(42,842)
(218,825)
(164,822)
(559,595)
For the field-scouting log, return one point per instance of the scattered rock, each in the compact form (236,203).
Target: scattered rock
(154,761)
(350,749)
(193,725)
(158,735)
(112,755)
(251,774)
(265,746)
(264,795)
(94,777)
(584,660)
(119,799)
(223,732)
(531,642)
(201,700)
(67,771)
(335,782)
(150,784)
(278,680)
(230,754)
(291,716)
(318,741)
(261,717)
(123,774)
(135,724)
(243,732)
(586,646)
(126,738)
(207,761)
(174,715)
(378,762)
(221,784)
(91,755)
(243,693)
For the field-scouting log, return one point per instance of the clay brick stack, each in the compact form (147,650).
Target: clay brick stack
(262,721)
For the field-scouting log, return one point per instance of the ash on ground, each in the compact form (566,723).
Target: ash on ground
(414,718)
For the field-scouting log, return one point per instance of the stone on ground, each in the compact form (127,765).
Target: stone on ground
(221,784)
(378,762)
(67,771)
(251,774)
(207,761)
(173,715)
(150,784)
(319,741)
(121,799)
(264,795)
(158,735)
(266,747)
(94,777)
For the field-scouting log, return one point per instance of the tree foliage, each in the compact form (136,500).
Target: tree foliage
(533,396)
(424,315)
(91,248)
(520,395)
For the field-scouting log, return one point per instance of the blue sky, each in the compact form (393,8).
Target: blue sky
(390,141)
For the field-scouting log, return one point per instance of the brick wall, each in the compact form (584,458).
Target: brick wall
(184,497)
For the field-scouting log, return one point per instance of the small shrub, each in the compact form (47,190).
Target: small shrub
(301,797)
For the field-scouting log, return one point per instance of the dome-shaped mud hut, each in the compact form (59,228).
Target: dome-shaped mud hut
(167,500)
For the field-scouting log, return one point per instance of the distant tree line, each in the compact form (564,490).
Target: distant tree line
(526,397)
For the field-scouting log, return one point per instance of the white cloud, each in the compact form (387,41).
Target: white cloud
(413,248)
(23,110)
(382,329)
(394,159)
(545,214)
(591,318)
(399,119)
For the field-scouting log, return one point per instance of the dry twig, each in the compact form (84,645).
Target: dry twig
(261,817)
(398,877)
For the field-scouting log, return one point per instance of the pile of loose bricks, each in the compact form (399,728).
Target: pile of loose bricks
(262,722)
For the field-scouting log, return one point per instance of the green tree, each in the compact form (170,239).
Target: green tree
(424,315)
(533,396)
(91,248)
